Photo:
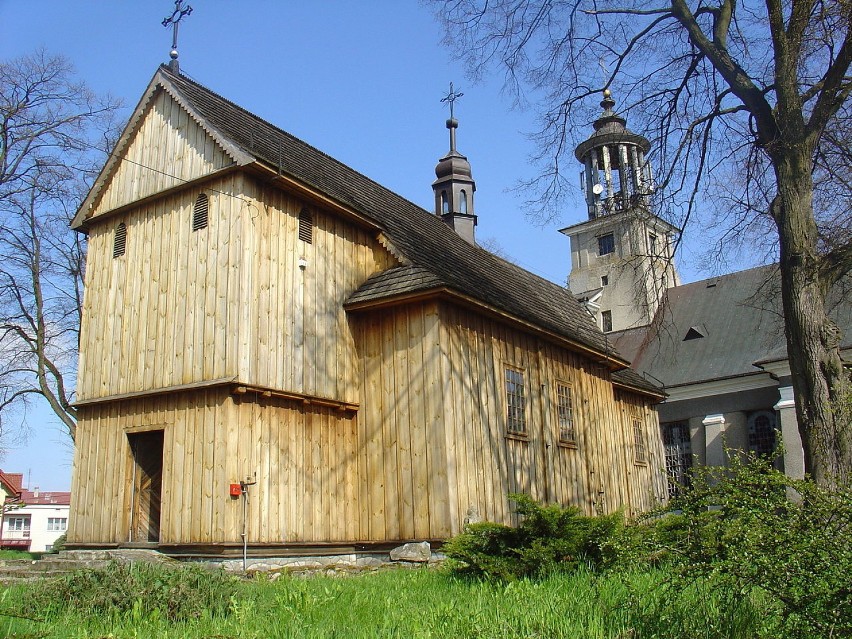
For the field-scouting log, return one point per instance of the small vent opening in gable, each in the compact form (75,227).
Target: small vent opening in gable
(199,213)
(120,240)
(695,332)
(306,226)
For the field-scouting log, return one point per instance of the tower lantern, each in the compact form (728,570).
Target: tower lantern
(616,175)
(454,186)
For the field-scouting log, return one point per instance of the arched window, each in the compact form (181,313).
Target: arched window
(120,240)
(445,202)
(761,433)
(199,213)
(306,226)
(463,203)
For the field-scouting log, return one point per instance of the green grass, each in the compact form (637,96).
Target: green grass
(19,554)
(424,603)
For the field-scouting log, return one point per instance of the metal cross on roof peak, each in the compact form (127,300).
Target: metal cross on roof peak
(174,20)
(451,97)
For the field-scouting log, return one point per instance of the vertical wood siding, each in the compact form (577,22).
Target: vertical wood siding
(183,306)
(303,459)
(296,332)
(167,149)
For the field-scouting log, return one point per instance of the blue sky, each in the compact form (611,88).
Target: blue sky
(361,81)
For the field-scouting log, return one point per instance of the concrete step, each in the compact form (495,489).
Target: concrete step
(67,561)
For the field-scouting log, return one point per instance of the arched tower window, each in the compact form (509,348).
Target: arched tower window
(306,226)
(445,202)
(199,213)
(463,203)
(120,240)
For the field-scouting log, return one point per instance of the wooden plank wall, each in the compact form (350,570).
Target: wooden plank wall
(167,149)
(167,312)
(304,460)
(296,335)
(599,475)
(404,463)
(229,300)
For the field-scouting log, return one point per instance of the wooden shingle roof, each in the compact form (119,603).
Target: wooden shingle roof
(434,254)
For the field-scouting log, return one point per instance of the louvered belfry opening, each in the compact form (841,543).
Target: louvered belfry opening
(199,213)
(306,226)
(120,240)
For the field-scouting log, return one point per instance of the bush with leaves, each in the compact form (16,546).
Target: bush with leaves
(547,537)
(174,592)
(749,527)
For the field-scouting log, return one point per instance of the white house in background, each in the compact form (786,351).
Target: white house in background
(32,519)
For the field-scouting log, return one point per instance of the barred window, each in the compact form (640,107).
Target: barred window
(761,433)
(565,414)
(640,448)
(516,423)
(678,450)
(606,321)
(120,240)
(606,244)
(199,213)
(306,226)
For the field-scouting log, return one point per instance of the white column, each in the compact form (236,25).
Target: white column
(794,455)
(634,166)
(591,180)
(714,428)
(623,172)
(607,172)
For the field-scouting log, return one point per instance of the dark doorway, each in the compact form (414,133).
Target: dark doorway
(147,451)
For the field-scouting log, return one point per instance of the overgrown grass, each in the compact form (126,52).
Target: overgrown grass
(425,603)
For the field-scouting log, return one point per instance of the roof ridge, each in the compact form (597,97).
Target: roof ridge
(182,76)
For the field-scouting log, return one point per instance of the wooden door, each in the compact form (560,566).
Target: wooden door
(147,451)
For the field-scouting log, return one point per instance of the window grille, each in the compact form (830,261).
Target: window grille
(761,433)
(199,213)
(640,448)
(565,414)
(120,240)
(678,451)
(516,423)
(606,244)
(306,226)
(606,321)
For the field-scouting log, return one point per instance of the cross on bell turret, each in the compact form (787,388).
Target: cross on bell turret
(454,186)
(616,175)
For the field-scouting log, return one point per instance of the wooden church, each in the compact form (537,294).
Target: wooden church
(274,345)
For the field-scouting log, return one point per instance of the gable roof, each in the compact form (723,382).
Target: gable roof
(435,255)
(716,328)
(11,483)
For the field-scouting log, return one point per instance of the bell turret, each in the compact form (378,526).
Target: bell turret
(616,175)
(454,186)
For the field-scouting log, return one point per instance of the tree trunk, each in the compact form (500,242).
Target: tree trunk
(812,337)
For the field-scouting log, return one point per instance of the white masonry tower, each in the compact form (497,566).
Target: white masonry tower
(621,257)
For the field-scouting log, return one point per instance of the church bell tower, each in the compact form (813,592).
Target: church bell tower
(621,257)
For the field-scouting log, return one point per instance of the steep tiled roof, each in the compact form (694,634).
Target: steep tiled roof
(45,498)
(718,328)
(437,257)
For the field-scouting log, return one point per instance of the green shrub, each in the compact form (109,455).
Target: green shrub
(173,592)
(750,527)
(547,538)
